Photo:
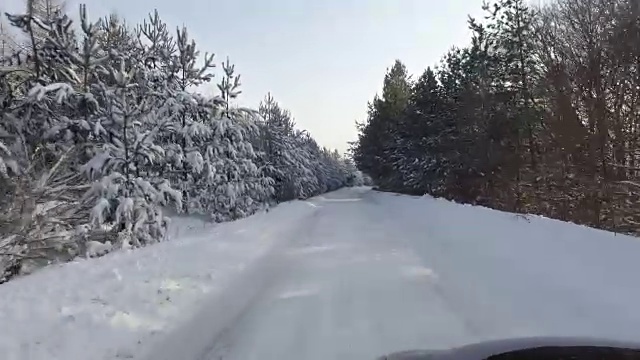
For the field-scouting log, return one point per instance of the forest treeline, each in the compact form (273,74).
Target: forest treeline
(101,129)
(539,114)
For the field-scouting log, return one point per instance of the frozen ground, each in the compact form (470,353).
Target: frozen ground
(350,275)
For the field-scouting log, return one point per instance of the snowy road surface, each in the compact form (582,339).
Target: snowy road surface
(351,287)
(352,274)
(373,273)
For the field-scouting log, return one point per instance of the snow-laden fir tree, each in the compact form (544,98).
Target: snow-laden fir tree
(125,198)
(171,73)
(42,128)
(299,166)
(285,160)
(239,184)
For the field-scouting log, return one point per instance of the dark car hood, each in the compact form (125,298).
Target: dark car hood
(485,349)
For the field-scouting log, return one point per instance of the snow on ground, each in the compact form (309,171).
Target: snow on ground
(114,306)
(510,275)
(349,275)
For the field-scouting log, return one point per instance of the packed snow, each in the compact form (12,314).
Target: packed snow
(112,307)
(353,274)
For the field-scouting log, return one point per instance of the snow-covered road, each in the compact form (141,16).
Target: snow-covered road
(353,274)
(350,287)
(372,273)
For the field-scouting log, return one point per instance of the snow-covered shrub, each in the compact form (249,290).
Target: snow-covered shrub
(42,218)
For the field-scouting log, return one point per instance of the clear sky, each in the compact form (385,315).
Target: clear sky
(321,59)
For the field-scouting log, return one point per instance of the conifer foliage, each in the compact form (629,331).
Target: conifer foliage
(538,114)
(101,130)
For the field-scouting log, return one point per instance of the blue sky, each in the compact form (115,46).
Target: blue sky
(321,59)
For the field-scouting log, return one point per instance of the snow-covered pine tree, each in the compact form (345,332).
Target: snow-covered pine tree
(266,170)
(127,202)
(259,186)
(281,154)
(300,168)
(118,39)
(37,125)
(188,141)
(313,181)
(238,180)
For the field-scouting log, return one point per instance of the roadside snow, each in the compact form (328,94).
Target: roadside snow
(115,306)
(514,275)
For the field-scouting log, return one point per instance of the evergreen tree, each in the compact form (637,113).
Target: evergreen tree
(125,150)
(536,114)
(238,179)
(283,152)
(377,143)
(424,137)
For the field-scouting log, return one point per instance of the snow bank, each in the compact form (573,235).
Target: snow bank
(117,305)
(524,275)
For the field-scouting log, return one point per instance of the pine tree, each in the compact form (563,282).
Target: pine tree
(510,33)
(188,137)
(284,157)
(41,125)
(425,137)
(377,140)
(238,179)
(125,149)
